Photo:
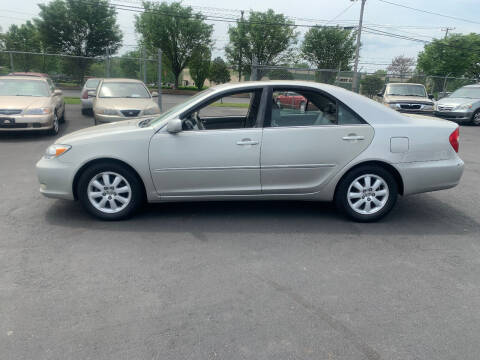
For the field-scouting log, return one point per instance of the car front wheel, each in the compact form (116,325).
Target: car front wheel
(476,118)
(110,191)
(367,193)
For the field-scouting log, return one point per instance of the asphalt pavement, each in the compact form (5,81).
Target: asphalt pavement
(236,280)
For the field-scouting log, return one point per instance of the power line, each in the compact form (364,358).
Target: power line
(430,12)
(341,13)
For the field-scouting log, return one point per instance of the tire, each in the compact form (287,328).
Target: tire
(365,203)
(476,118)
(55,125)
(112,201)
(85,112)
(62,119)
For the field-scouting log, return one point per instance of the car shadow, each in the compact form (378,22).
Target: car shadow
(417,215)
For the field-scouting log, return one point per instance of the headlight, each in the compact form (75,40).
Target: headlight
(107,112)
(463,107)
(427,107)
(151,111)
(39,111)
(392,105)
(56,150)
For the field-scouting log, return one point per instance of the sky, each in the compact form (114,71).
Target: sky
(376,52)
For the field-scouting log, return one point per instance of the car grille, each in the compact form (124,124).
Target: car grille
(10,111)
(410,106)
(13,126)
(130,113)
(444,107)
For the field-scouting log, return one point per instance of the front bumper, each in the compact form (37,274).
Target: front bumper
(456,116)
(421,112)
(425,176)
(26,122)
(113,118)
(55,178)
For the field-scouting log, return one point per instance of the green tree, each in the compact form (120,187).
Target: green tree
(200,66)
(329,48)
(79,28)
(219,71)
(266,37)
(176,30)
(371,84)
(457,55)
(24,38)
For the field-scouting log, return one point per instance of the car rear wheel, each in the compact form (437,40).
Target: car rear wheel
(476,118)
(367,193)
(110,191)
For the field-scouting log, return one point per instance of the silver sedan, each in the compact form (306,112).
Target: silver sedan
(233,142)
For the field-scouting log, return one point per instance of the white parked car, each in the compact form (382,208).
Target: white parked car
(121,99)
(342,147)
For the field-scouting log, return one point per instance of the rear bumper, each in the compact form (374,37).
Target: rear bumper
(87,103)
(459,117)
(425,176)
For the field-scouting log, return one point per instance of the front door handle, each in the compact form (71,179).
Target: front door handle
(353,137)
(247,142)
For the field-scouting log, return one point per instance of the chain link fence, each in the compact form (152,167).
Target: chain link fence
(369,83)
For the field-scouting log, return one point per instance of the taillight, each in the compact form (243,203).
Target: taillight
(85,94)
(454,139)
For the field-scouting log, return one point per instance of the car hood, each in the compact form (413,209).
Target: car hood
(101,130)
(124,103)
(23,102)
(408,99)
(456,101)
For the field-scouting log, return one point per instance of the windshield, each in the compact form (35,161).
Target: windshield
(123,90)
(467,92)
(92,83)
(406,90)
(18,87)
(177,108)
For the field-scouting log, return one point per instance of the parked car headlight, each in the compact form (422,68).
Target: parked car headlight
(56,150)
(392,105)
(463,107)
(151,111)
(107,112)
(38,111)
(427,107)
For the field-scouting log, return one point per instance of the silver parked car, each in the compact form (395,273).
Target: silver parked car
(232,142)
(462,106)
(89,92)
(121,99)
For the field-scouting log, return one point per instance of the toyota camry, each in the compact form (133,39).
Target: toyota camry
(233,142)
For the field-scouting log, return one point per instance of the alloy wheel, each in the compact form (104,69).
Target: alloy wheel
(368,194)
(476,118)
(109,192)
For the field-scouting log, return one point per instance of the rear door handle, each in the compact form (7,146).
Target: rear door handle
(353,137)
(247,142)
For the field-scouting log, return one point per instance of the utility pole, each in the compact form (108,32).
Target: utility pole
(357,49)
(11,63)
(160,79)
(144,67)
(447,29)
(108,62)
(241,44)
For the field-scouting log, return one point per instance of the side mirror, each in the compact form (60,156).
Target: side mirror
(430,96)
(57,92)
(154,94)
(379,94)
(174,126)
(91,93)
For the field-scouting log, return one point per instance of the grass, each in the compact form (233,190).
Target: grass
(72,100)
(231,104)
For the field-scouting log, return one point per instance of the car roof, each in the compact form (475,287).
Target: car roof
(30,74)
(122,80)
(405,84)
(23,77)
